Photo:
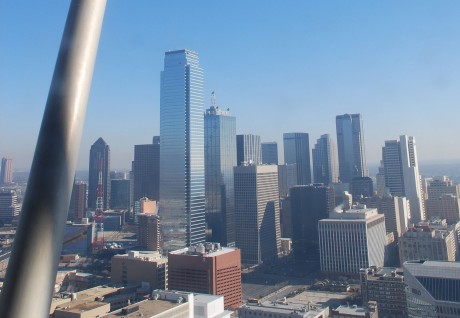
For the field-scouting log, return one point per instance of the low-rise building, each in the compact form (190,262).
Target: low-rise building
(282,310)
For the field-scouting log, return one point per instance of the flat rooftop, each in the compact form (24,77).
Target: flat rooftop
(147,308)
(95,292)
(79,306)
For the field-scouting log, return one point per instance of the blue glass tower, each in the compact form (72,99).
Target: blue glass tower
(182,187)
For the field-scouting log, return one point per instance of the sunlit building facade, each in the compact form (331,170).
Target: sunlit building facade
(297,151)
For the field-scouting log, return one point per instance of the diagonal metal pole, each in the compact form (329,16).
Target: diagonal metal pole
(34,259)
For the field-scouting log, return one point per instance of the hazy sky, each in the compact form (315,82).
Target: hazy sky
(280,66)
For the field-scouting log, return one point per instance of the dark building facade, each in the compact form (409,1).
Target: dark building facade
(77,202)
(99,158)
(297,151)
(146,170)
(119,195)
(248,149)
(362,187)
(269,153)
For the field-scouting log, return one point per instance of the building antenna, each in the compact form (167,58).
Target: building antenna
(213,99)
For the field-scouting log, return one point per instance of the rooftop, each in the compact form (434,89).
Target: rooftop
(146,308)
(206,250)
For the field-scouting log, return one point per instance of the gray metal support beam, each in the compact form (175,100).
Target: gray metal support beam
(32,268)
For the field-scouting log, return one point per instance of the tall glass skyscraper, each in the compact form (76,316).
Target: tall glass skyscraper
(324,162)
(350,144)
(297,150)
(220,158)
(99,158)
(182,187)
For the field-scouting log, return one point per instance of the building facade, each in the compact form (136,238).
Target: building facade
(120,198)
(248,149)
(9,207)
(149,232)
(146,172)
(99,161)
(324,161)
(297,151)
(6,174)
(269,153)
(182,185)
(77,206)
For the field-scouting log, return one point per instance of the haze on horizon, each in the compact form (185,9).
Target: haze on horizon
(278,67)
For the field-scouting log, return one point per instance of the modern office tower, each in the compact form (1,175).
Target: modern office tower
(442,199)
(425,242)
(324,161)
(350,144)
(351,240)
(402,176)
(257,213)
(149,231)
(385,286)
(207,268)
(285,217)
(6,176)
(269,153)
(119,194)
(248,150)
(362,187)
(9,207)
(136,268)
(287,178)
(146,172)
(297,151)
(77,202)
(219,159)
(433,289)
(99,161)
(182,185)
(380,181)
(309,204)
(156,140)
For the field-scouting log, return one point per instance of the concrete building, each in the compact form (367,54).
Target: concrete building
(385,286)
(9,207)
(149,232)
(325,161)
(6,174)
(257,214)
(77,208)
(446,206)
(269,153)
(219,158)
(297,151)
(350,145)
(371,311)
(207,268)
(146,172)
(248,150)
(351,240)
(282,310)
(433,289)
(136,268)
(425,242)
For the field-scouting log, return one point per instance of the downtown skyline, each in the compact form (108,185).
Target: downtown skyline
(278,68)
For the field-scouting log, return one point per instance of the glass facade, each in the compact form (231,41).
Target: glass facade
(182,190)
(324,162)
(297,150)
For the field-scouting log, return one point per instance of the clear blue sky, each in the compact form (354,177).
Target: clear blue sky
(279,66)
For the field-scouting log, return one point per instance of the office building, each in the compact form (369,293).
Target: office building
(362,187)
(119,194)
(77,208)
(442,199)
(9,207)
(433,289)
(146,172)
(309,204)
(285,217)
(219,158)
(380,181)
(6,175)
(99,162)
(351,240)
(269,153)
(347,311)
(287,178)
(324,161)
(182,181)
(350,145)
(248,150)
(149,232)
(402,176)
(280,309)
(207,268)
(257,213)
(297,151)
(425,242)
(385,286)
(137,268)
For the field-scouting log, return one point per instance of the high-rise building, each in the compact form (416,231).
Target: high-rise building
(77,206)
(287,178)
(248,150)
(350,144)
(119,194)
(351,240)
(149,231)
(219,158)
(99,161)
(182,185)
(442,199)
(362,187)
(402,177)
(269,153)
(6,176)
(433,289)
(257,213)
(9,207)
(146,172)
(324,161)
(207,268)
(297,151)
(309,204)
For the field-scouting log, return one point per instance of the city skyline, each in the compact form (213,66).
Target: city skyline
(388,72)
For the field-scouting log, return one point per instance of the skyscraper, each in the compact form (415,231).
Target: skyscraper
(248,149)
(324,161)
(269,153)
(297,151)
(99,159)
(257,213)
(350,144)
(146,171)
(182,185)
(219,158)
(9,207)
(6,176)
(77,202)
(119,194)
(402,176)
